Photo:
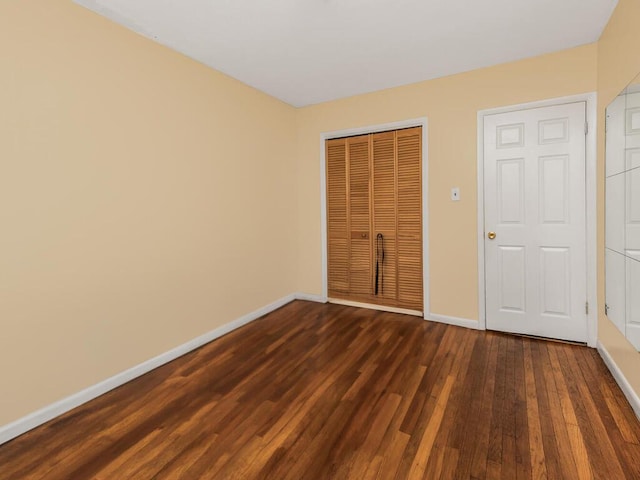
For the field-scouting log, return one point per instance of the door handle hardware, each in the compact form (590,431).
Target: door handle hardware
(491,235)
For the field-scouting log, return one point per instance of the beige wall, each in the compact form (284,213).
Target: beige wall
(618,64)
(451,105)
(144,200)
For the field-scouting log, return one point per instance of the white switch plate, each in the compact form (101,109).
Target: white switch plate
(455,194)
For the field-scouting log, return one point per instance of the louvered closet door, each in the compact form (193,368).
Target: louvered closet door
(337,218)
(360,273)
(374,186)
(384,213)
(409,152)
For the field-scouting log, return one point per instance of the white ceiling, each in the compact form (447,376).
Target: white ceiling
(311,51)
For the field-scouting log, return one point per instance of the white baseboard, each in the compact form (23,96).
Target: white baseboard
(621,380)
(24,424)
(458,322)
(310,297)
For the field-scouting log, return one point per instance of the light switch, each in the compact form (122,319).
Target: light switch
(455,194)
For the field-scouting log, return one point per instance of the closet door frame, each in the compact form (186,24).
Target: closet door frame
(416,122)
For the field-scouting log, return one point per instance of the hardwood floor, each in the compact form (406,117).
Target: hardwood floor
(330,392)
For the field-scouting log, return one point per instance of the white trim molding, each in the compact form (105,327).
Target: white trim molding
(417,122)
(310,297)
(591,191)
(458,322)
(621,380)
(24,424)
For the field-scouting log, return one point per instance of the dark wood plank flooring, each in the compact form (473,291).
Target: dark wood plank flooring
(331,392)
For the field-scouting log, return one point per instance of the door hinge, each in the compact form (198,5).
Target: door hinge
(586,308)
(586,128)
(606,309)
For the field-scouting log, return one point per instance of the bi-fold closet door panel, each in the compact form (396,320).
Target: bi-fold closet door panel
(385,204)
(374,192)
(358,154)
(338,229)
(409,146)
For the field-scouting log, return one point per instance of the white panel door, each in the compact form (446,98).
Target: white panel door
(535,241)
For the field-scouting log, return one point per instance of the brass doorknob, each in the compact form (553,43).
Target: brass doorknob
(491,235)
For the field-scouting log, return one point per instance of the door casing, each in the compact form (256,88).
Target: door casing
(591,213)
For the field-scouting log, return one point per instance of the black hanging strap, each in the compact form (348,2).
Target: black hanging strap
(380,263)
